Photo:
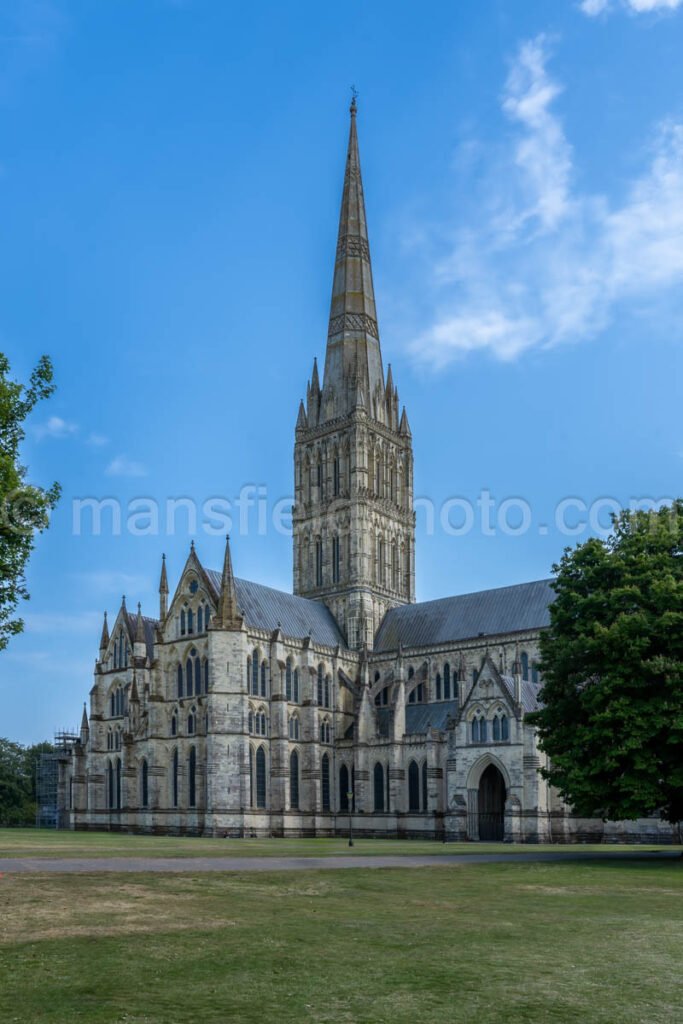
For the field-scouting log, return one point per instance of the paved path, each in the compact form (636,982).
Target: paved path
(197,865)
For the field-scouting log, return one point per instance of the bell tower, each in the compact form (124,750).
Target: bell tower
(353,518)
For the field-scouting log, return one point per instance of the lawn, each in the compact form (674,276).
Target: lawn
(49,843)
(517,942)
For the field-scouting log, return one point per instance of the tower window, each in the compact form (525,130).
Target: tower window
(336,560)
(319,563)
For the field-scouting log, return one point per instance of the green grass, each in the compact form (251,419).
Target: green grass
(515,942)
(49,843)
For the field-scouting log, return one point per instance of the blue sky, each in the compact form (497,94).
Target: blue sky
(170,174)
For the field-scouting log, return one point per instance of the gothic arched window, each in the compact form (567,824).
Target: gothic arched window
(378,779)
(254,672)
(174,779)
(413,787)
(192,778)
(479,730)
(180,680)
(294,781)
(260,777)
(288,679)
(325,781)
(321,692)
(336,560)
(118,784)
(144,784)
(295,687)
(183,628)
(500,727)
(206,675)
(200,619)
(264,687)
(425,805)
(318,562)
(525,665)
(447,682)
(190,621)
(343,788)
(438,686)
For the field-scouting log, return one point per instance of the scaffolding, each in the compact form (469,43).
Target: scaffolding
(51,803)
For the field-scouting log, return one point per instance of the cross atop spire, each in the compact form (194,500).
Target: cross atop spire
(353,356)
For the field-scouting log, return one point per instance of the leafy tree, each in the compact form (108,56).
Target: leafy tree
(612,662)
(18,772)
(24,508)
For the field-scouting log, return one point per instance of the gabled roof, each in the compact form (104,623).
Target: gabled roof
(467,616)
(266,608)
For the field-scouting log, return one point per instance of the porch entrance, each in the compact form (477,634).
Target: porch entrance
(491,806)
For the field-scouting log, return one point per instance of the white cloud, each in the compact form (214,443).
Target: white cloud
(542,154)
(123,466)
(595,7)
(56,428)
(549,264)
(97,440)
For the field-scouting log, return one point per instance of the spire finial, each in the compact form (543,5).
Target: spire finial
(354,105)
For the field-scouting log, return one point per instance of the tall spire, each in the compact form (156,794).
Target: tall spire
(227,616)
(353,357)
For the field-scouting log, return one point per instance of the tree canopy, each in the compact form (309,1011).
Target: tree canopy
(612,663)
(18,774)
(24,507)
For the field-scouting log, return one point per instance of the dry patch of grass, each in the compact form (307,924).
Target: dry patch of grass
(529,943)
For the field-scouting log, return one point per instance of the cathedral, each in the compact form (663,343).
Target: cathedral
(245,711)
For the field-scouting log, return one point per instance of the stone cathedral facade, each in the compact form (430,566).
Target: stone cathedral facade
(241,710)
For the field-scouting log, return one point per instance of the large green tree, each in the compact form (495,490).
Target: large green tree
(18,778)
(24,507)
(612,663)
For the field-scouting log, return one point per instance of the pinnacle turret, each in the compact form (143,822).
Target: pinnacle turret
(163,591)
(104,639)
(227,615)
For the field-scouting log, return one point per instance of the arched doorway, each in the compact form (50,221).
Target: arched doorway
(491,805)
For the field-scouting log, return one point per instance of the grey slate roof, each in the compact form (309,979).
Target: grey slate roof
(419,717)
(488,612)
(265,608)
(530,692)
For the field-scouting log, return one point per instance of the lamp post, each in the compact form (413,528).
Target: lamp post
(349,798)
